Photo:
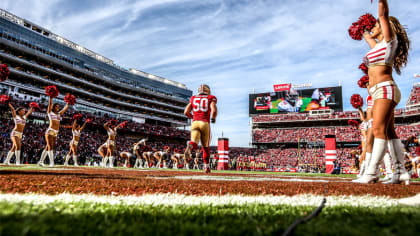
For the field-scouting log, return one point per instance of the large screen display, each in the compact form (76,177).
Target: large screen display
(301,101)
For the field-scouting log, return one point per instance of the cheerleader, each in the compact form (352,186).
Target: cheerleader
(54,115)
(186,160)
(109,145)
(389,50)
(147,156)
(363,131)
(126,157)
(138,149)
(19,116)
(196,159)
(162,156)
(76,131)
(176,157)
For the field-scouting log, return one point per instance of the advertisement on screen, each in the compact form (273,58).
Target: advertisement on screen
(299,101)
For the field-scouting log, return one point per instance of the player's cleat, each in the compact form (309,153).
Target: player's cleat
(386,178)
(366,179)
(40,164)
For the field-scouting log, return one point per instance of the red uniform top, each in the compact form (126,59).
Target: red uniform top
(201,107)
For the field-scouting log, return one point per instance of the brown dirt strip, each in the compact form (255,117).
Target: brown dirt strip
(121,182)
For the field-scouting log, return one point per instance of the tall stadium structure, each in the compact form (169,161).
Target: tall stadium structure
(38,58)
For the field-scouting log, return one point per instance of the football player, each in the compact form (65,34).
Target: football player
(204,111)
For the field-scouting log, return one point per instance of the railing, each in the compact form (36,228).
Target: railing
(87,82)
(86,103)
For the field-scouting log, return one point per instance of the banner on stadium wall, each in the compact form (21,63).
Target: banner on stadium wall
(299,101)
(282,87)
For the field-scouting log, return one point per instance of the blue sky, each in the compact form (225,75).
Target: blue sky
(235,46)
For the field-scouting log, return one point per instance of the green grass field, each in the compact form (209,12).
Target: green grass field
(104,219)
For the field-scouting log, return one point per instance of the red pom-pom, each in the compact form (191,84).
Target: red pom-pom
(355,32)
(88,120)
(70,99)
(353,123)
(51,91)
(123,124)
(34,105)
(356,101)
(4,72)
(365,22)
(77,116)
(363,81)
(364,68)
(4,99)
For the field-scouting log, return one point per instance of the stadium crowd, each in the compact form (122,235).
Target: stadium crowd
(91,138)
(317,134)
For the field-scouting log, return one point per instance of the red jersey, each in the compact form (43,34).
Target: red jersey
(201,107)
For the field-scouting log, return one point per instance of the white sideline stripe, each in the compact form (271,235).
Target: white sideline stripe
(223,152)
(242,178)
(330,151)
(180,199)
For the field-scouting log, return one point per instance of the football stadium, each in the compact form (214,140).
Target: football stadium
(89,147)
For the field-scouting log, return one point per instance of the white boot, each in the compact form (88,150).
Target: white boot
(164,165)
(66,161)
(362,169)
(135,164)
(75,160)
(370,176)
(111,162)
(141,163)
(51,156)
(158,165)
(187,166)
(146,164)
(43,156)
(397,152)
(9,156)
(388,167)
(17,153)
(105,162)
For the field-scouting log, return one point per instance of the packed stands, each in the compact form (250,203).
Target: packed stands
(317,134)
